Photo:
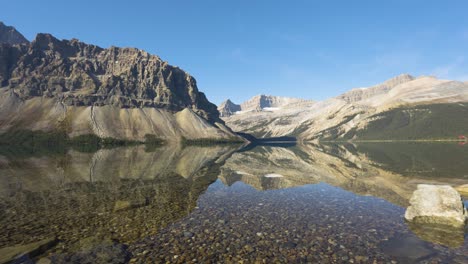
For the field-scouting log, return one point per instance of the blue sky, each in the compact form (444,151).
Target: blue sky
(238,49)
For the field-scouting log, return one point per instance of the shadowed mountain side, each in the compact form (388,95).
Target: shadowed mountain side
(10,35)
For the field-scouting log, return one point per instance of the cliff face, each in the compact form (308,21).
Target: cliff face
(259,103)
(228,108)
(87,75)
(137,92)
(10,35)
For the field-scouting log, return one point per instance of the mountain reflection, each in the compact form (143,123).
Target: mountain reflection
(345,166)
(124,194)
(117,194)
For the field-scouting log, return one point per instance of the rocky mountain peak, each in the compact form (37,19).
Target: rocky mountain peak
(402,78)
(258,103)
(262,101)
(228,108)
(359,94)
(81,74)
(9,35)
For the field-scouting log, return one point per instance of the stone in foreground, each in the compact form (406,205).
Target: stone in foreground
(434,204)
(23,253)
(462,189)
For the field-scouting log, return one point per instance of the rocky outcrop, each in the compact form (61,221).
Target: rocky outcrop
(115,92)
(258,103)
(9,35)
(434,204)
(228,108)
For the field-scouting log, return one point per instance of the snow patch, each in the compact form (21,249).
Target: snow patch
(271,109)
(273,175)
(242,112)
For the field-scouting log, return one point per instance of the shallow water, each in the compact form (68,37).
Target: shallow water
(314,203)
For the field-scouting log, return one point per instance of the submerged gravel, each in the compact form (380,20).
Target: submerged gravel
(310,224)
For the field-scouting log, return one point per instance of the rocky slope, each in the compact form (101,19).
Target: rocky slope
(10,35)
(359,94)
(51,84)
(403,107)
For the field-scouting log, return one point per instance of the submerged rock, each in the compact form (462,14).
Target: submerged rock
(407,249)
(434,204)
(449,236)
(25,252)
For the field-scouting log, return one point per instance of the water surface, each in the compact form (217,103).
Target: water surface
(313,203)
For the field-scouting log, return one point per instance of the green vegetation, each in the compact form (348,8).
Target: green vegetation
(334,132)
(151,139)
(91,143)
(209,141)
(32,138)
(27,142)
(429,122)
(152,142)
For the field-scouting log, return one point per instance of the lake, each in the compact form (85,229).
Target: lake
(313,203)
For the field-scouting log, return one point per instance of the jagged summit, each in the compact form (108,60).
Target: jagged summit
(83,74)
(51,84)
(228,108)
(259,102)
(9,35)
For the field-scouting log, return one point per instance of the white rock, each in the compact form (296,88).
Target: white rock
(437,204)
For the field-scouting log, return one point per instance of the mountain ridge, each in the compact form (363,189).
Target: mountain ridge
(81,88)
(349,115)
(10,35)
(257,103)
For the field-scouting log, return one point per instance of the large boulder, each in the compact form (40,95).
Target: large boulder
(436,204)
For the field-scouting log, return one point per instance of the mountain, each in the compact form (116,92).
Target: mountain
(228,108)
(258,103)
(360,94)
(403,107)
(9,35)
(125,93)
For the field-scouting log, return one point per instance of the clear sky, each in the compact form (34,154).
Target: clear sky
(238,49)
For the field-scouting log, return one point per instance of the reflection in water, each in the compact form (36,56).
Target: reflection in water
(132,203)
(439,234)
(113,195)
(434,160)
